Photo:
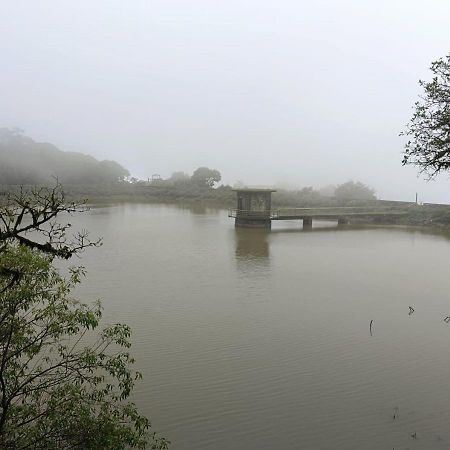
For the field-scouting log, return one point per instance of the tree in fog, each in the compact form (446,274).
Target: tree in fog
(354,191)
(327,191)
(204,176)
(26,162)
(428,131)
(179,177)
(63,383)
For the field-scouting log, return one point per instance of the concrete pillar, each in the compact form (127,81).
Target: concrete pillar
(307,224)
(248,223)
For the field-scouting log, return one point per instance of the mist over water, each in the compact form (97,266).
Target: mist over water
(260,340)
(295,93)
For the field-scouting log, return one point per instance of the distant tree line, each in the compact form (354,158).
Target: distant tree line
(203,177)
(206,178)
(26,162)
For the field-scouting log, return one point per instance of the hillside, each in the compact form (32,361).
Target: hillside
(24,161)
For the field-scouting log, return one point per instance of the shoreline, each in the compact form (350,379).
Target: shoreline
(421,216)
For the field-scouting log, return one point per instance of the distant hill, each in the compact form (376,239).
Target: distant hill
(24,161)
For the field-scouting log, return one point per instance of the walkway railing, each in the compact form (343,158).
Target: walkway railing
(255,215)
(319,212)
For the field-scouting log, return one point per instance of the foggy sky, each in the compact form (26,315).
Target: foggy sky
(268,92)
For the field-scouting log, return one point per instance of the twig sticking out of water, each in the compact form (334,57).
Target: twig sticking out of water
(411,310)
(395,412)
(370,327)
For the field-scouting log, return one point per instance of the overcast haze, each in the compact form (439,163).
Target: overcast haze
(268,92)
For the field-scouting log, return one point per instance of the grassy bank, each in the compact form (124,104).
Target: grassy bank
(224,197)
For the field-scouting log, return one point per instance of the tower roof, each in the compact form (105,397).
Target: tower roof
(254,190)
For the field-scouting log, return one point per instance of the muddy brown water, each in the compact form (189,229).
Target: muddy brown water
(250,339)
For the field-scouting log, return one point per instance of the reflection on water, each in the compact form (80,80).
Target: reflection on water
(199,209)
(253,243)
(195,209)
(332,227)
(260,340)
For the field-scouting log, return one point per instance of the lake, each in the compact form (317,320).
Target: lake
(249,339)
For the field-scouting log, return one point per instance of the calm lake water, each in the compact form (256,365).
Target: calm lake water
(260,340)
